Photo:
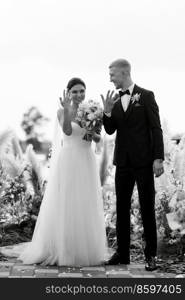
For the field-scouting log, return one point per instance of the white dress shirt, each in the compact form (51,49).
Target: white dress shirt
(125,99)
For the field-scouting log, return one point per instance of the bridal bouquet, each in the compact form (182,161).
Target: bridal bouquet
(90,116)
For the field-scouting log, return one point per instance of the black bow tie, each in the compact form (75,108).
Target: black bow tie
(121,93)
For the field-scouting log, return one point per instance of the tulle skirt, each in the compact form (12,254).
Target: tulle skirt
(70,228)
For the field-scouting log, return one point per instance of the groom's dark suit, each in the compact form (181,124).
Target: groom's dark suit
(139,142)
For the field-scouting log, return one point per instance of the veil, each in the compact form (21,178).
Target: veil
(48,199)
(57,143)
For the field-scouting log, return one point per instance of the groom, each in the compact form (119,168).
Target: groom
(138,155)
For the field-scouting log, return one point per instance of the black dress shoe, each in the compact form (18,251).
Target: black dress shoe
(116,260)
(151,264)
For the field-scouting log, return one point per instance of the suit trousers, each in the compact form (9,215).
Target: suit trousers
(125,179)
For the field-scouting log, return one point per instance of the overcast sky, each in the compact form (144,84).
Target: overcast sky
(43,43)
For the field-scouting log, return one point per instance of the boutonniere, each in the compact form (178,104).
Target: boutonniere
(135,98)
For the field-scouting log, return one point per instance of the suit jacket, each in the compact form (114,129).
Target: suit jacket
(139,138)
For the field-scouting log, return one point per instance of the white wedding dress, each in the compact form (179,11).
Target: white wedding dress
(70,229)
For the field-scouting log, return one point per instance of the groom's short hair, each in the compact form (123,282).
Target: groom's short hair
(122,64)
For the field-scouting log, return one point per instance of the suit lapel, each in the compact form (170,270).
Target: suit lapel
(136,89)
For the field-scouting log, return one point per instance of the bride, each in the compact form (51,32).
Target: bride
(70,229)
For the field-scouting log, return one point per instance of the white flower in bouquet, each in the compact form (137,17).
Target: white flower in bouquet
(90,116)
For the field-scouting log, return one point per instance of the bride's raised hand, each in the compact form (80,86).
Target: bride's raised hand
(66,104)
(108,101)
(66,100)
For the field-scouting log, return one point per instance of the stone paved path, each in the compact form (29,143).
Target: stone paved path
(15,269)
(12,268)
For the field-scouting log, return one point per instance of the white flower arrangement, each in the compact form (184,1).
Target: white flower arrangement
(90,116)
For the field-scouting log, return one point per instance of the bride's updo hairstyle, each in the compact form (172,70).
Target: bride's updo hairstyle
(75,81)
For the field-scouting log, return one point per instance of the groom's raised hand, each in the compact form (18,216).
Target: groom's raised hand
(109,101)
